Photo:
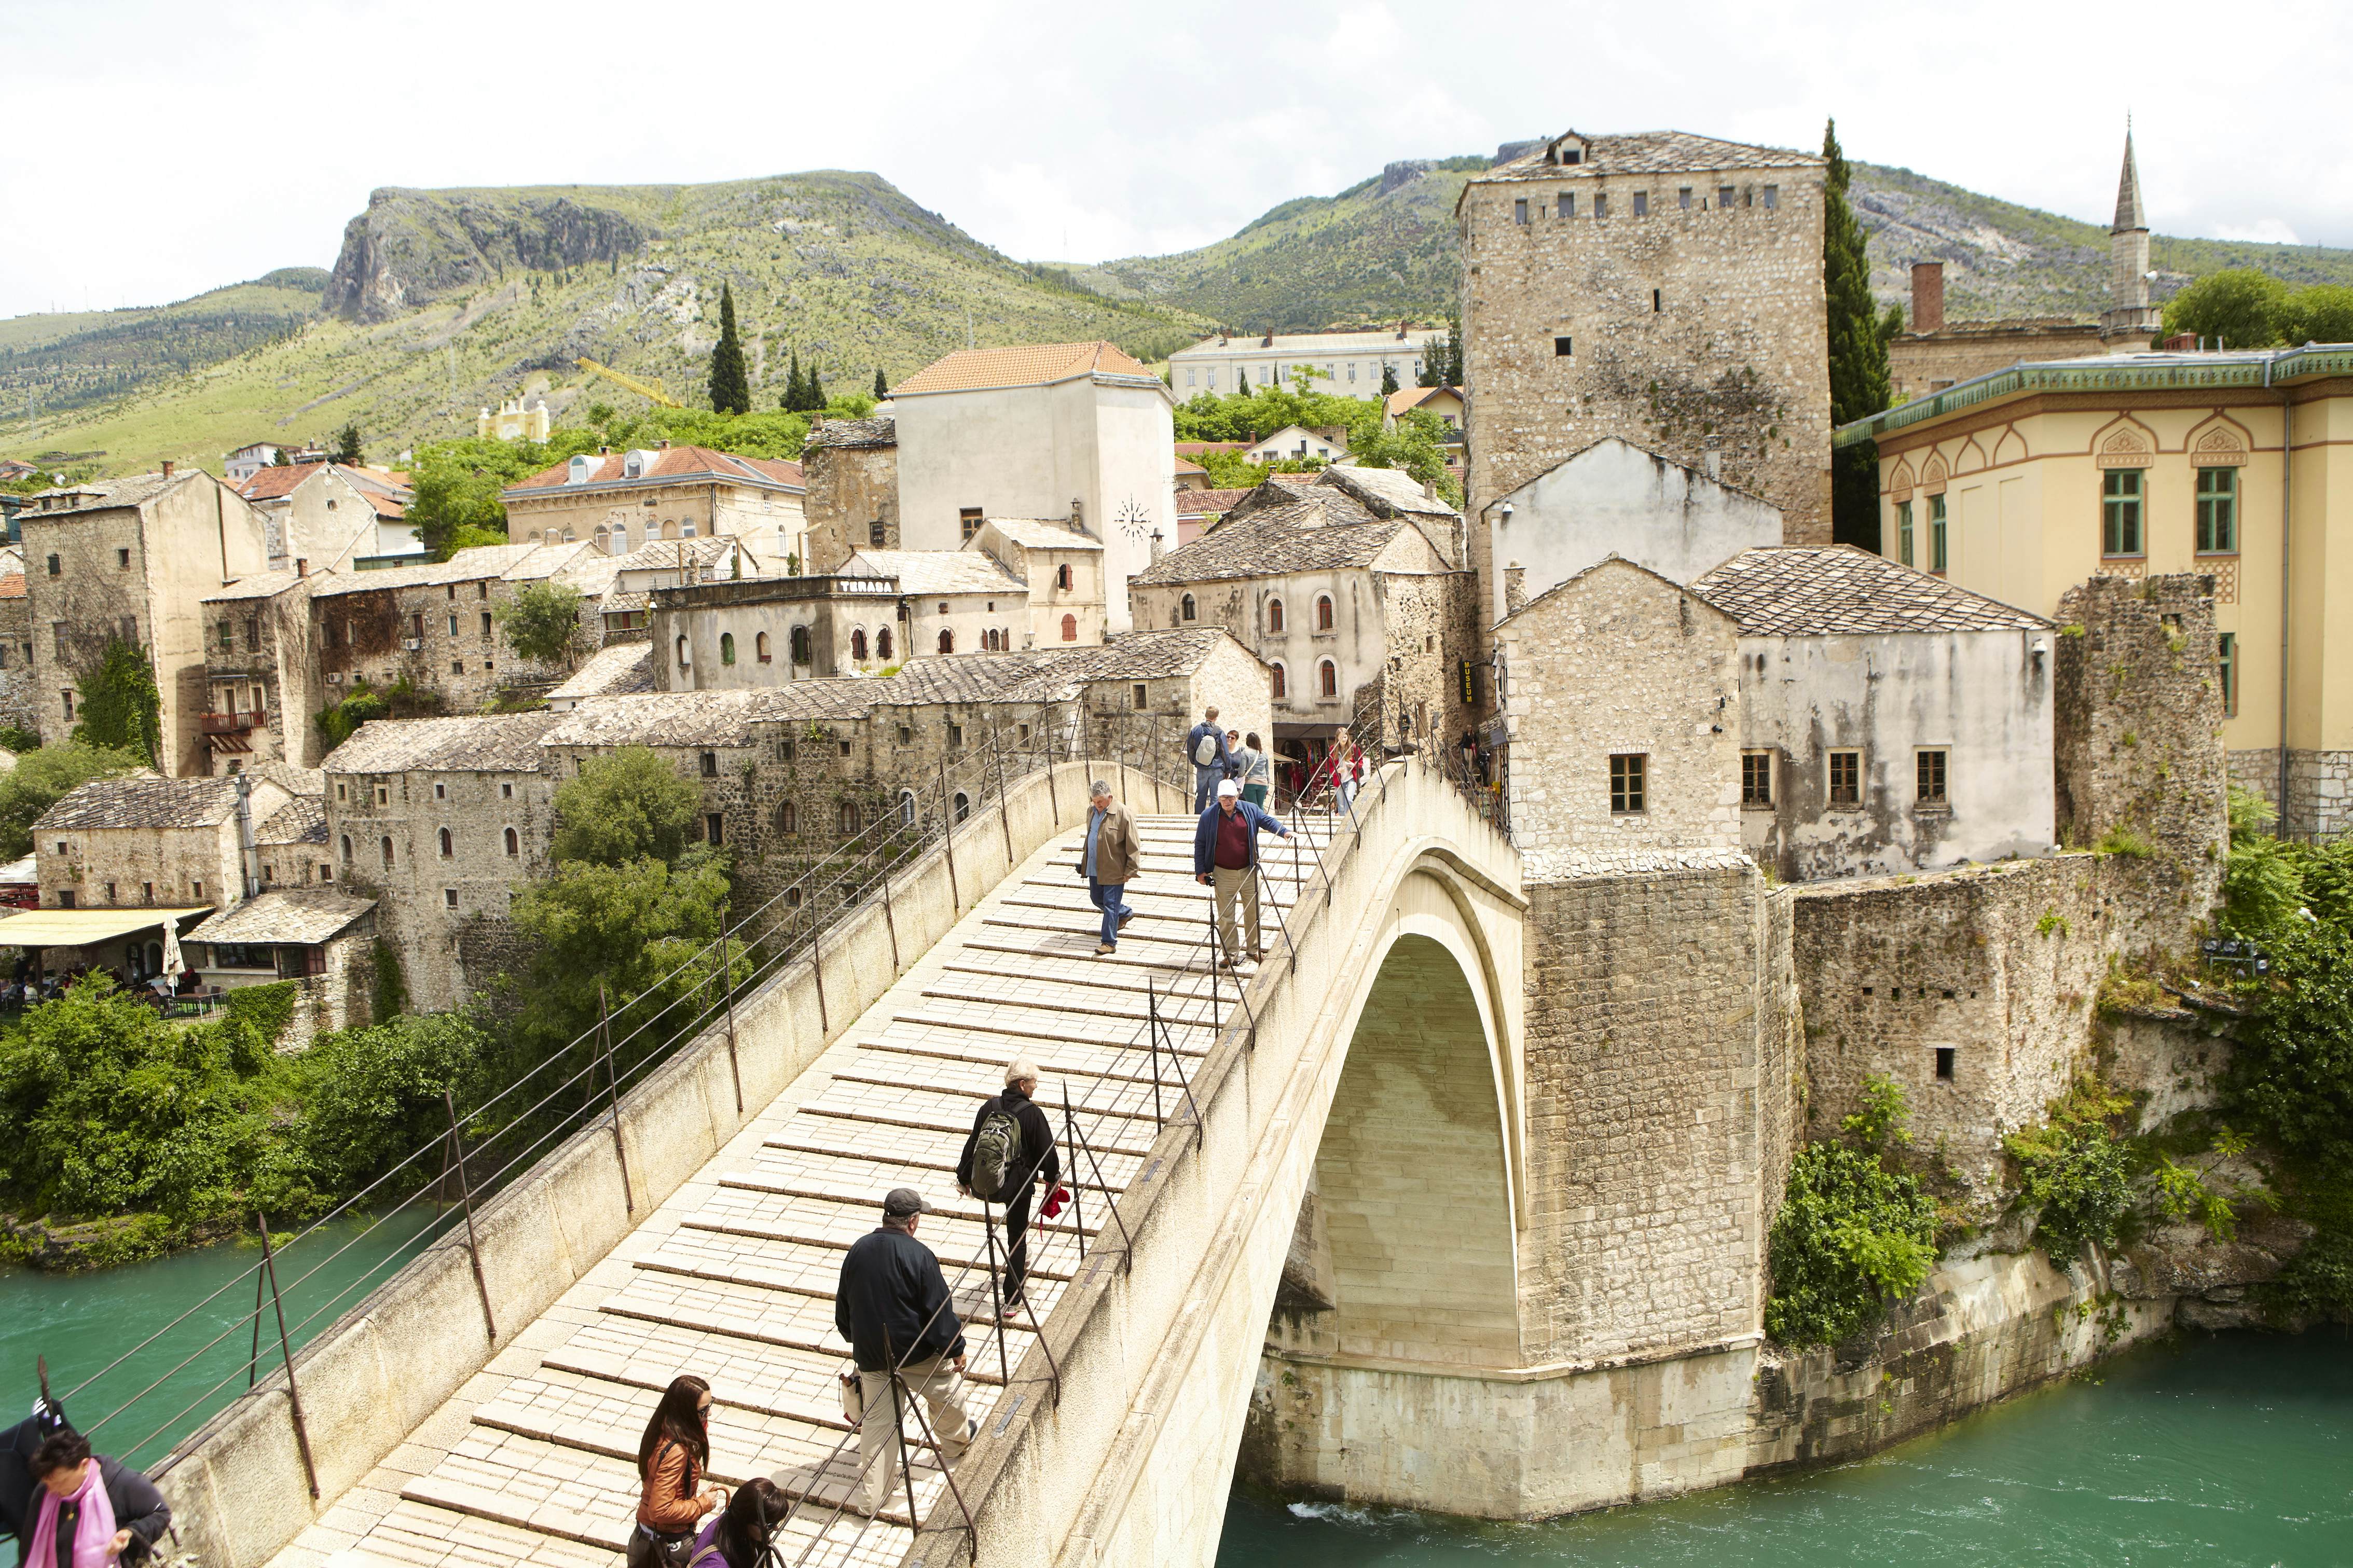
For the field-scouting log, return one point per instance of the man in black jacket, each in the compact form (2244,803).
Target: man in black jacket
(891,1304)
(1036,1159)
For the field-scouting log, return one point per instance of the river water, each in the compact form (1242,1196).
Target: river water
(82,1322)
(2229,1449)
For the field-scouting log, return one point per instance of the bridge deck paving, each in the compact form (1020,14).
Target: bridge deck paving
(733,1277)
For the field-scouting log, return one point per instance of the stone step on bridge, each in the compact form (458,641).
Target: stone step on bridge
(732,1278)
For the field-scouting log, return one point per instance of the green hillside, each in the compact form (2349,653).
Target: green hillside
(442,301)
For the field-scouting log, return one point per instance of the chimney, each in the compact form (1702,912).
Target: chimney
(1159,547)
(1927,295)
(1078,515)
(2181,343)
(1401,330)
(1267,342)
(301,566)
(662,444)
(167,468)
(604,451)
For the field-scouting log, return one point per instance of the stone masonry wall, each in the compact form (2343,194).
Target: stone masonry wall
(849,489)
(1646,1133)
(20,704)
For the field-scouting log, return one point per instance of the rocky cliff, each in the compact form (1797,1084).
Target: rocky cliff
(412,247)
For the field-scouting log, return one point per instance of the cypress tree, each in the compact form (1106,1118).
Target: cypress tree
(813,393)
(731,381)
(1858,352)
(1388,379)
(1241,383)
(881,387)
(792,403)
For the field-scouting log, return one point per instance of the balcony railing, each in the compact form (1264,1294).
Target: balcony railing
(231,723)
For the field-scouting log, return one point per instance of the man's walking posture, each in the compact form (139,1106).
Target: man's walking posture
(1010,1147)
(892,1302)
(1225,856)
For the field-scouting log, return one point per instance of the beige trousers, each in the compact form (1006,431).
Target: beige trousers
(934,1381)
(1237,882)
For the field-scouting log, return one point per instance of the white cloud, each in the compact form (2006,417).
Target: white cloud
(155,159)
(2262,231)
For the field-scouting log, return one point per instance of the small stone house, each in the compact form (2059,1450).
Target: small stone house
(262,672)
(949,601)
(319,940)
(324,517)
(620,501)
(1062,564)
(851,470)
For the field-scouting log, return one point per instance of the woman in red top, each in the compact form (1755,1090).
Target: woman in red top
(671,1458)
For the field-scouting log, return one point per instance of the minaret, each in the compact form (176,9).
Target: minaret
(2128,323)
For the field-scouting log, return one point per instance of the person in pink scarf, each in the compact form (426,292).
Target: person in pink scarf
(91,1512)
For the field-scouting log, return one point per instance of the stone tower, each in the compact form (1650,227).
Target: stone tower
(1662,288)
(2129,322)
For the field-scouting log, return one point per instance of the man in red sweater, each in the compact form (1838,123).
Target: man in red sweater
(1225,856)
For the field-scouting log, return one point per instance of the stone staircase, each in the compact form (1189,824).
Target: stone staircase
(534,1461)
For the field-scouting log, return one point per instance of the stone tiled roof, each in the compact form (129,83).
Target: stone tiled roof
(1043,533)
(260,585)
(483,561)
(1200,503)
(495,742)
(1048,675)
(616,603)
(922,571)
(292,916)
(96,495)
(142,802)
(622,669)
(301,820)
(657,554)
(706,718)
(1792,590)
(1034,364)
(1649,152)
(292,779)
(878,430)
(670,465)
(1391,488)
(1320,530)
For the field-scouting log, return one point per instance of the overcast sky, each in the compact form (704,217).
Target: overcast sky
(158,150)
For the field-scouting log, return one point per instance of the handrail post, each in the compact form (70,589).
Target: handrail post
(997,760)
(465,1195)
(286,1350)
(996,1290)
(889,919)
(253,1361)
(727,994)
(613,1094)
(1152,1034)
(947,837)
(1078,1213)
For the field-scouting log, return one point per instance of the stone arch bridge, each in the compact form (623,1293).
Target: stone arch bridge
(1301,1212)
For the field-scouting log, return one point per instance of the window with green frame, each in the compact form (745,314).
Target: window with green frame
(2120,533)
(1936,533)
(2218,512)
(2228,662)
(1903,532)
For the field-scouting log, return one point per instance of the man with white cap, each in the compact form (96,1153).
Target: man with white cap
(1010,1149)
(1225,856)
(891,1304)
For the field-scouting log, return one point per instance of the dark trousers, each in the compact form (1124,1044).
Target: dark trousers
(1017,1239)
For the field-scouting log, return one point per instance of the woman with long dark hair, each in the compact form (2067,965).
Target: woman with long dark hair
(671,1458)
(739,1537)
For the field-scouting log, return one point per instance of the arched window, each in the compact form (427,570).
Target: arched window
(1184,607)
(1327,679)
(603,539)
(883,645)
(1274,616)
(906,808)
(1323,611)
(447,847)
(514,844)
(347,848)
(670,528)
(858,644)
(800,644)
(947,640)
(1282,683)
(963,805)
(387,852)
(726,648)
(687,531)
(684,659)
(848,818)
(1062,577)
(787,817)
(1069,628)
(760,647)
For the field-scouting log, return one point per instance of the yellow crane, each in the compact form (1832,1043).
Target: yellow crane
(647,389)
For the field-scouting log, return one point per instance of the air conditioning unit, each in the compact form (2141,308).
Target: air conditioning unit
(410,645)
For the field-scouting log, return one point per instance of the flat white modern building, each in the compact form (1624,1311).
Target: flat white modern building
(1351,362)
(1078,431)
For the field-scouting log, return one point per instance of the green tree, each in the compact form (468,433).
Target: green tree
(2237,308)
(371,1096)
(40,778)
(1388,379)
(881,387)
(347,446)
(1416,445)
(1851,1236)
(119,706)
(2319,313)
(1241,382)
(1859,336)
(625,807)
(812,392)
(338,721)
(2072,1169)
(542,623)
(2291,1075)
(730,379)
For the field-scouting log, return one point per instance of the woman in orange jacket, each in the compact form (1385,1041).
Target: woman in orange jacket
(672,1456)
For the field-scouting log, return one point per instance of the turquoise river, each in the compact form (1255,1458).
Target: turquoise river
(2207,1451)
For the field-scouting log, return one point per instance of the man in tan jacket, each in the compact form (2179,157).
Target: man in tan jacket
(1113,854)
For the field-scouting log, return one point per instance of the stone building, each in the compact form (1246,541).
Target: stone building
(330,516)
(150,841)
(262,673)
(852,468)
(1662,288)
(1041,431)
(1615,499)
(133,559)
(436,625)
(949,601)
(513,422)
(19,700)
(1934,353)
(1888,721)
(321,941)
(1361,619)
(2023,483)
(620,501)
(769,631)
(1062,564)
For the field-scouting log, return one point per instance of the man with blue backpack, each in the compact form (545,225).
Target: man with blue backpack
(1011,1149)
(1206,748)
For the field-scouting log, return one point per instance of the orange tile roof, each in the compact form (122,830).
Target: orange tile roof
(1034,364)
(672,463)
(269,484)
(1406,397)
(12,586)
(1186,466)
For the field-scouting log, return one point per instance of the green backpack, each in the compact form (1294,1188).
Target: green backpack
(996,1151)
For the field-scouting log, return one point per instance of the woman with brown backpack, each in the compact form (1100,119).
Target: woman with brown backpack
(672,1456)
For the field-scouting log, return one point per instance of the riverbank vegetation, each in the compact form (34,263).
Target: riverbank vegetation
(1855,1232)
